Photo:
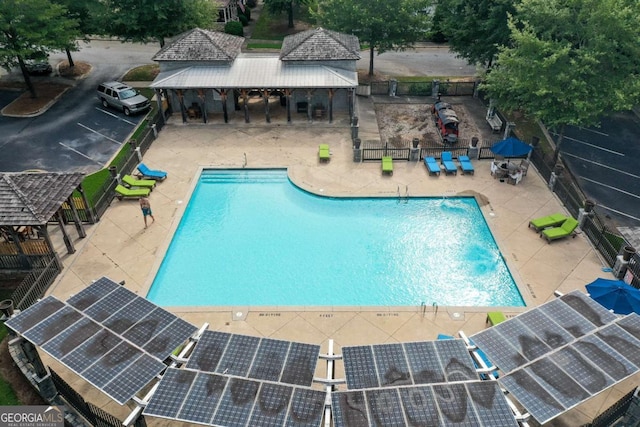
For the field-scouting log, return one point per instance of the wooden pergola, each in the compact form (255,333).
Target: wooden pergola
(29,203)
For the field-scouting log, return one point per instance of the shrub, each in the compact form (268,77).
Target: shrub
(243,20)
(247,13)
(251,3)
(234,28)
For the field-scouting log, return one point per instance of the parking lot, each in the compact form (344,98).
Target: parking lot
(604,160)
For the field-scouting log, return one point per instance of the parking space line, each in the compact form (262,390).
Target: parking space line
(98,133)
(78,152)
(602,165)
(637,196)
(592,145)
(618,212)
(594,131)
(109,113)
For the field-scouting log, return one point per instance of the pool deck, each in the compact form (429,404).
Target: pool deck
(120,248)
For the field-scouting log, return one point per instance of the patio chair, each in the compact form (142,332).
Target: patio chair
(324,155)
(465,165)
(131,182)
(387,165)
(552,220)
(123,192)
(495,317)
(432,166)
(524,167)
(147,173)
(565,230)
(447,161)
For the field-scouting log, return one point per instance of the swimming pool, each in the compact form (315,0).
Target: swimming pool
(251,237)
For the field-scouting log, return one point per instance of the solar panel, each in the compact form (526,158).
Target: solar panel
(92,293)
(425,363)
(523,339)
(111,364)
(631,324)
(490,404)
(391,365)
(581,370)
(52,325)
(133,378)
(203,398)
(455,360)
(539,403)
(70,339)
(91,350)
(359,367)
(498,349)
(385,408)
(33,315)
(149,326)
(307,408)
(167,340)
(208,351)
(238,356)
(560,385)
(420,407)
(588,308)
(110,304)
(171,392)
(600,354)
(128,315)
(454,404)
(301,364)
(269,360)
(567,317)
(270,409)
(349,409)
(545,328)
(237,402)
(622,342)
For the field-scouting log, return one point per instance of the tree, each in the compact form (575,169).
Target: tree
(571,61)
(382,24)
(85,13)
(144,20)
(276,7)
(32,27)
(475,29)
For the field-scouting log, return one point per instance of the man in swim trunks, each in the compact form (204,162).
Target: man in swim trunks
(146,210)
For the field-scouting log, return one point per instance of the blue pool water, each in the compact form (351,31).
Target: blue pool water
(250,237)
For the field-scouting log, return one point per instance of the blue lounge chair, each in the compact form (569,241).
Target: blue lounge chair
(465,164)
(447,160)
(147,173)
(432,166)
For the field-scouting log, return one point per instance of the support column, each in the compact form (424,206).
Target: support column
(265,98)
(245,98)
(331,92)
(287,94)
(91,214)
(351,102)
(309,106)
(183,110)
(158,93)
(65,236)
(45,233)
(76,218)
(223,98)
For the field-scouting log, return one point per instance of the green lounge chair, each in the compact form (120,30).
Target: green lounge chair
(566,229)
(324,155)
(124,192)
(553,220)
(387,165)
(131,182)
(495,317)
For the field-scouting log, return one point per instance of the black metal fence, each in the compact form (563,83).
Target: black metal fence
(90,412)
(400,150)
(424,88)
(44,271)
(613,413)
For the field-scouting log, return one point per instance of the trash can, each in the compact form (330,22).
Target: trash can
(628,252)
(589,205)
(6,308)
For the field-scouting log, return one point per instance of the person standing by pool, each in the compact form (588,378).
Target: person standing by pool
(146,210)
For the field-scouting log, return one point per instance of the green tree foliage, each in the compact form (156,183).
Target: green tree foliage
(571,61)
(30,27)
(144,20)
(234,28)
(382,24)
(475,28)
(277,7)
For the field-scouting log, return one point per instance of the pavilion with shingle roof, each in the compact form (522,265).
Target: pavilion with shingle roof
(203,72)
(29,202)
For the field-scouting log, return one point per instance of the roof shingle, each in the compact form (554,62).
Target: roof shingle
(201,45)
(320,44)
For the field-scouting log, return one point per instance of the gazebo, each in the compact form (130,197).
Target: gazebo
(29,204)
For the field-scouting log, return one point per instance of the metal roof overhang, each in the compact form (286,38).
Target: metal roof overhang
(261,72)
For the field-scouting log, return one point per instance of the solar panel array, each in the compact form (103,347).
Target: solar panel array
(562,353)
(256,358)
(474,403)
(212,399)
(388,365)
(108,335)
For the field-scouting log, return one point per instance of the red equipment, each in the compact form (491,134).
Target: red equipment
(446,121)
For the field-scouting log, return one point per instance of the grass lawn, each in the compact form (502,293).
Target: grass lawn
(7,395)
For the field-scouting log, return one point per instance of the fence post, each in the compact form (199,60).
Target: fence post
(357,150)
(583,213)
(414,152)
(474,151)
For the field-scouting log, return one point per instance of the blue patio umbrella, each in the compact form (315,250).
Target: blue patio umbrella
(511,147)
(615,295)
